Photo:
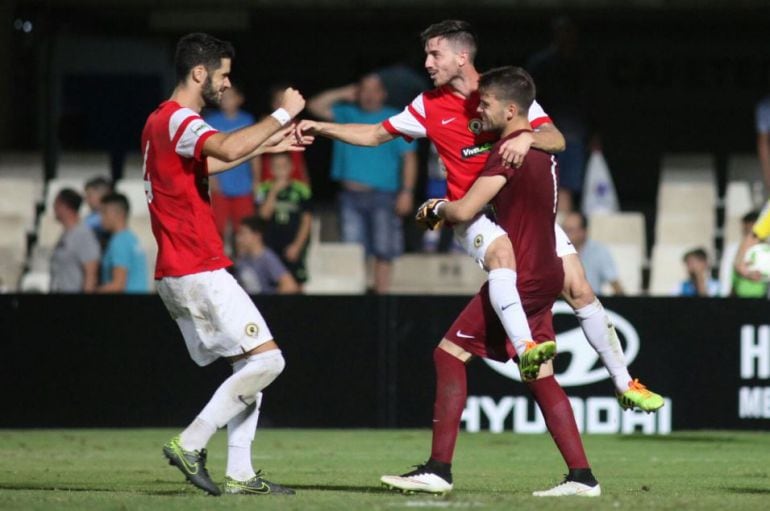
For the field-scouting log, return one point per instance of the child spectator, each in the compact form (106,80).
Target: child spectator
(258,269)
(285,206)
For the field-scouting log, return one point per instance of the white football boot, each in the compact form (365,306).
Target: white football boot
(425,478)
(570,489)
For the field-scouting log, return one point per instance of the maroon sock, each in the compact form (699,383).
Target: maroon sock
(451,391)
(560,420)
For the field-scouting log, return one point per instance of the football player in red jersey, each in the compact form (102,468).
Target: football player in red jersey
(447,115)
(524,199)
(216,316)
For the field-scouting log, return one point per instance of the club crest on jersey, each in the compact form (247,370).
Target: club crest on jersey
(474,126)
(475,150)
(252,329)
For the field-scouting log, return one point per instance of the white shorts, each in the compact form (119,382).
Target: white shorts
(563,245)
(476,235)
(216,316)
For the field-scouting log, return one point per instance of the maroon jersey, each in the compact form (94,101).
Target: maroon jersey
(176,182)
(526,210)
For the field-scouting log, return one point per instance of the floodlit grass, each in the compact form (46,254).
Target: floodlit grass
(340,469)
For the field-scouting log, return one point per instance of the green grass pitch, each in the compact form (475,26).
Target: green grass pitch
(340,469)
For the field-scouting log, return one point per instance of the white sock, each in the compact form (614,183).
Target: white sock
(601,334)
(240,435)
(236,393)
(197,435)
(507,304)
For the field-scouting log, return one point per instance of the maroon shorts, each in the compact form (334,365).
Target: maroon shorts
(478,330)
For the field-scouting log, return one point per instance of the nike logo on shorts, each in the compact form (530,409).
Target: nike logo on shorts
(444,122)
(506,306)
(461,334)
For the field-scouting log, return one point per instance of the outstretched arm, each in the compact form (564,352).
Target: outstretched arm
(243,143)
(481,193)
(279,142)
(369,135)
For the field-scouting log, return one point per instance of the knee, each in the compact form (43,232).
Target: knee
(500,254)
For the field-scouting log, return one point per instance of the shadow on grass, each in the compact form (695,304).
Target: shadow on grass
(706,439)
(749,491)
(342,488)
(84,489)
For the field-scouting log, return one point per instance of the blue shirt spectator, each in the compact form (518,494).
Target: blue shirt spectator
(124,251)
(375,167)
(239,180)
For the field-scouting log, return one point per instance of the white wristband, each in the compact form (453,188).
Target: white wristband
(282,116)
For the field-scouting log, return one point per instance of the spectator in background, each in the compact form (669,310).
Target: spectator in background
(599,265)
(96,189)
(75,259)
(730,281)
(232,192)
(264,166)
(377,182)
(699,281)
(124,264)
(285,206)
(564,84)
(258,269)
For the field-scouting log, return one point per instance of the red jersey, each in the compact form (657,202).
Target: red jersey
(176,184)
(526,209)
(452,123)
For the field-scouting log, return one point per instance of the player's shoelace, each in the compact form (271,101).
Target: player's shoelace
(638,386)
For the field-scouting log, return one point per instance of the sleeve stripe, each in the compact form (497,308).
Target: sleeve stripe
(180,131)
(178,119)
(536,123)
(393,131)
(199,144)
(416,115)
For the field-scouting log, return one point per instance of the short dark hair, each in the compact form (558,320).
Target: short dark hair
(117,199)
(200,49)
(255,224)
(70,198)
(456,32)
(99,182)
(510,83)
(698,253)
(750,217)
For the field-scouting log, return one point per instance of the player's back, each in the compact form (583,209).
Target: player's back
(526,210)
(176,182)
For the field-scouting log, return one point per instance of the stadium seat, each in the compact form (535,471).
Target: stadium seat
(691,198)
(82,166)
(336,268)
(36,282)
(449,274)
(22,165)
(737,203)
(40,260)
(20,197)
(619,228)
(688,168)
(666,268)
(628,260)
(13,248)
(133,189)
(685,229)
(49,231)
(744,167)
